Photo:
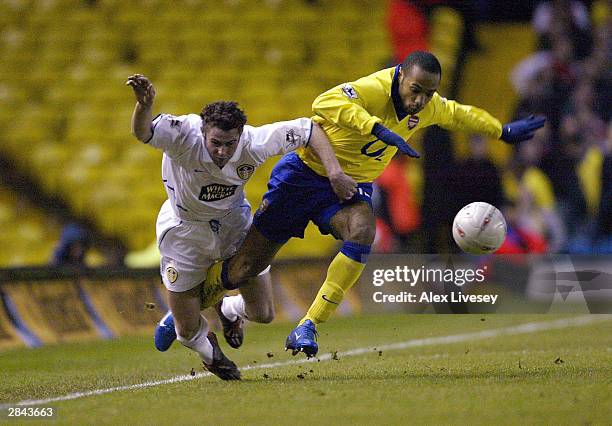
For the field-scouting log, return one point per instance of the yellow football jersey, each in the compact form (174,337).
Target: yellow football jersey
(348,112)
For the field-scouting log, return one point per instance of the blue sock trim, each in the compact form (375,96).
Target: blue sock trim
(357,252)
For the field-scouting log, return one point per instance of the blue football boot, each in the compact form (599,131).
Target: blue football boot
(303,339)
(165,333)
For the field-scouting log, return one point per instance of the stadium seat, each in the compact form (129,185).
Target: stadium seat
(282,55)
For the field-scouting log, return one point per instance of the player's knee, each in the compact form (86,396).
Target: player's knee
(267,316)
(360,226)
(263,314)
(361,233)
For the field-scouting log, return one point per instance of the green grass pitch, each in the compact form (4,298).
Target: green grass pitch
(559,375)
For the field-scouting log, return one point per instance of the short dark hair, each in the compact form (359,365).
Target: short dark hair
(226,115)
(425,60)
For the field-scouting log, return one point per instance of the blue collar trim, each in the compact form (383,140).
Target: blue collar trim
(395,96)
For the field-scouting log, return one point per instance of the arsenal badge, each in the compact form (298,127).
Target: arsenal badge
(413,121)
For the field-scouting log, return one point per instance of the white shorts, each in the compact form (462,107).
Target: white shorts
(188,249)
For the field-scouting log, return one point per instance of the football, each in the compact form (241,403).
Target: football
(479,228)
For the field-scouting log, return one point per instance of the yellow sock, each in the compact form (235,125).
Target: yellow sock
(213,276)
(342,274)
(213,289)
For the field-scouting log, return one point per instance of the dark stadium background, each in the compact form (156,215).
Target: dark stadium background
(72,173)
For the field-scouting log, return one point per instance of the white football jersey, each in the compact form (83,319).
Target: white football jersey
(197,188)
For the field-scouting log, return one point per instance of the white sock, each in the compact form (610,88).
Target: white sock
(233,307)
(199,343)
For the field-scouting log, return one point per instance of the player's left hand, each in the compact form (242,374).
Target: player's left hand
(391,138)
(521,130)
(343,185)
(143,89)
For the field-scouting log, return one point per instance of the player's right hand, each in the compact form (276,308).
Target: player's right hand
(393,139)
(344,186)
(521,130)
(143,89)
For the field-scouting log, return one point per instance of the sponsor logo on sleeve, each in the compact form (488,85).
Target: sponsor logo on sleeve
(245,171)
(216,192)
(292,140)
(349,92)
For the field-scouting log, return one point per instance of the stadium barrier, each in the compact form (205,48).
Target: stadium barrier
(49,305)
(54,305)
(45,305)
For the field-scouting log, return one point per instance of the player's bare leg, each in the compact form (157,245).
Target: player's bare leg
(254,303)
(258,299)
(192,331)
(254,256)
(355,225)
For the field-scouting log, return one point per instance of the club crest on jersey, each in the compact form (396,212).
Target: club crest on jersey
(349,92)
(245,171)
(292,140)
(215,225)
(413,121)
(171,274)
(216,192)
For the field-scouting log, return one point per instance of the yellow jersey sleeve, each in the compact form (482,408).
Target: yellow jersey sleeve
(347,113)
(348,105)
(454,116)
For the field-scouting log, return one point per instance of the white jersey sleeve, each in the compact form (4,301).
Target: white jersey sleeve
(175,135)
(279,138)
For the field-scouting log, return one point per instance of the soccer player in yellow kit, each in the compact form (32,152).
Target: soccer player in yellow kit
(367,122)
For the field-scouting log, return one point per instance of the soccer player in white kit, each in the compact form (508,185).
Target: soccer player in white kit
(206,162)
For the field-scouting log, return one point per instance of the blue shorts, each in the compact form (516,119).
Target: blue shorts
(297,195)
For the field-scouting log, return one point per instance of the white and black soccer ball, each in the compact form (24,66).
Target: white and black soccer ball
(479,228)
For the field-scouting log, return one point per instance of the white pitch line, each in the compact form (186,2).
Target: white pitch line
(532,327)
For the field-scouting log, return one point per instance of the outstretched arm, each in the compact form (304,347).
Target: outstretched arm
(455,116)
(142,115)
(343,185)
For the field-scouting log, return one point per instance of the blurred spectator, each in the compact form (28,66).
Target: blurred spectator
(439,206)
(560,164)
(531,191)
(72,247)
(477,178)
(471,12)
(603,230)
(557,17)
(408,25)
(408,28)
(397,213)
(520,237)
(582,107)
(543,80)
(596,70)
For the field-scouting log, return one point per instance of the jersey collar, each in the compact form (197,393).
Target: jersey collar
(395,96)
